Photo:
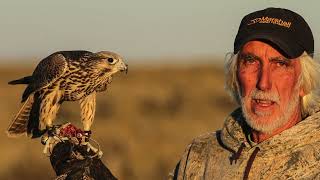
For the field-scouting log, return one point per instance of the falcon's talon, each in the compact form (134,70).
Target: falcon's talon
(48,145)
(52,130)
(68,132)
(84,143)
(44,139)
(87,135)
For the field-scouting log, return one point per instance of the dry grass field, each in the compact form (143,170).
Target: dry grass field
(143,122)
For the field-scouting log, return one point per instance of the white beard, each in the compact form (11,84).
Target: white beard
(257,120)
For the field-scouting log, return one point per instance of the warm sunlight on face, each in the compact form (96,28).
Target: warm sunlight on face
(269,85)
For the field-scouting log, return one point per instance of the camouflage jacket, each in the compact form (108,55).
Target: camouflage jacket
(230,154)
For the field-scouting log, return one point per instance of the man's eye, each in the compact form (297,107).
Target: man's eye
(281,63)
(248,59)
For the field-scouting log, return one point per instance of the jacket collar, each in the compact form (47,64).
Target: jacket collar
(236,132)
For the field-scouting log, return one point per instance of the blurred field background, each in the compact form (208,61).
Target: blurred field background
(174,90)
(143,122)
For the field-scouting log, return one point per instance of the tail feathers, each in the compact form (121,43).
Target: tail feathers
(19,124)
(24,80)
(33,130)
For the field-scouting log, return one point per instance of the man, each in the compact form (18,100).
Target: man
(275,134)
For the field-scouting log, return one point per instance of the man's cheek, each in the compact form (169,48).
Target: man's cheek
(247,88)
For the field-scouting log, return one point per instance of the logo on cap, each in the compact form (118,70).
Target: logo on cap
(270,20)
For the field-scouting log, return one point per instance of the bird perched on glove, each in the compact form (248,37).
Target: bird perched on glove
(63,76)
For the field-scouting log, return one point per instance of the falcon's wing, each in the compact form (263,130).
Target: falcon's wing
(47,72)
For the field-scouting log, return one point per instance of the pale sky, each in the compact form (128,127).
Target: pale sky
(137,29)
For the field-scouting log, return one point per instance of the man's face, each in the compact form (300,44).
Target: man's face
(269,87)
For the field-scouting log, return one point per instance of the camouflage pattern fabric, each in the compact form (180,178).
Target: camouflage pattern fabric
(230,154)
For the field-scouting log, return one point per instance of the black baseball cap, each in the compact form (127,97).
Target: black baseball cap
(284,29)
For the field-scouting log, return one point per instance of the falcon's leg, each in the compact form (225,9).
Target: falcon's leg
(88,109)
(49,107)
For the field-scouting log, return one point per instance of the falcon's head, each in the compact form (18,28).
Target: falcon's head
(107,63)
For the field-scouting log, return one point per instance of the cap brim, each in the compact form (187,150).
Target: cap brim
(291,52)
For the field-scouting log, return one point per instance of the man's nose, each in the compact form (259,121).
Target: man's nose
(264,80)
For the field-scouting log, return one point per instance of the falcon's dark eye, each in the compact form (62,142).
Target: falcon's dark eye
(110,60)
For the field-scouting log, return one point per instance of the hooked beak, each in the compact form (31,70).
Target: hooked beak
(124,68)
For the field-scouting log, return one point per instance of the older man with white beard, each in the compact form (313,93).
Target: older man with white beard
(275,133)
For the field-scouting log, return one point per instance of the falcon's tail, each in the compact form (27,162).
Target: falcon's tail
(24,80)
(19,124)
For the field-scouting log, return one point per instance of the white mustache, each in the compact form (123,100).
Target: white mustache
(262,95)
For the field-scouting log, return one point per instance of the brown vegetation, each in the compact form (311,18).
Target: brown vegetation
(143,123)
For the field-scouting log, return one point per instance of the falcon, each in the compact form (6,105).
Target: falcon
(63,76)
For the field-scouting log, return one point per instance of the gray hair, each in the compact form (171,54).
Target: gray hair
(310,81)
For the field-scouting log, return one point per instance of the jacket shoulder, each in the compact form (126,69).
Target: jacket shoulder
(195,155)
(204,141)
